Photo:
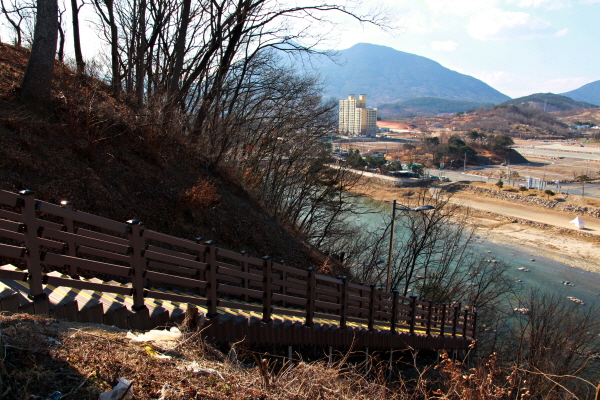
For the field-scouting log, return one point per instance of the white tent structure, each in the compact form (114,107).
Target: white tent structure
(578,223)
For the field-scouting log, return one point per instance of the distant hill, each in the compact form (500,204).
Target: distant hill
(589,93)
(549,102)
(387,75)
(426,106)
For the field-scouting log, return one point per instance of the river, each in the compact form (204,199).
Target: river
(543,273)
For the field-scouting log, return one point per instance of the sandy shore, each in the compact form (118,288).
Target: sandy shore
(572,251)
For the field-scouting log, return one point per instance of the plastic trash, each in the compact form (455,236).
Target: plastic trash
(54,396)
(155,354)
(155,334)
(122,391)
(197,369)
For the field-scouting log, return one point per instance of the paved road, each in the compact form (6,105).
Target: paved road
(590,189)
(550,217)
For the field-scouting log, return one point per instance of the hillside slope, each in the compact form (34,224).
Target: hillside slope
(589,93)
(549,102)
(96,153)
(425,106)
(387,76)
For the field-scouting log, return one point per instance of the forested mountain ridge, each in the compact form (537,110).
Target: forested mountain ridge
(549,102)
(425,106)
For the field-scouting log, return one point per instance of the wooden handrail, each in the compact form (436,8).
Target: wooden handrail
(132,253)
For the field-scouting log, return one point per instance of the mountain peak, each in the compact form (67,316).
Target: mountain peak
(388,75)
(589,93)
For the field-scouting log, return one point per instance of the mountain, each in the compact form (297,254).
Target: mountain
(426,106)
(549,102)
(589,93)
(387,75)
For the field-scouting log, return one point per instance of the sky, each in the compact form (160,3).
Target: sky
(519,47)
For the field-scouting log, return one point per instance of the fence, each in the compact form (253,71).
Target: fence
(241,295)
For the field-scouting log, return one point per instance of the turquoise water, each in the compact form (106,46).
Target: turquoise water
(544,273)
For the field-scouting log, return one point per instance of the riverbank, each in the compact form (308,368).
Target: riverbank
(551,238)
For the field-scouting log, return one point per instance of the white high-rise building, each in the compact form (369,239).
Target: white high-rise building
(355,119)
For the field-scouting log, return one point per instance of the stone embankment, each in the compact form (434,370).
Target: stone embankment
(557,204)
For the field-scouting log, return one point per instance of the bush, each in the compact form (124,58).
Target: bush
(201,195)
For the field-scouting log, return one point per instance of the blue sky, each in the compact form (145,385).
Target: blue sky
(518,47)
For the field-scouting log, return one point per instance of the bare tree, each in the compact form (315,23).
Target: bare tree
(17,13)
(35,90)
(552,341)
(75,9)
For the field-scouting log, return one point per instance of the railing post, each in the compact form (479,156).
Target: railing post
(210,257)
(267,288)
(372,306)
(413,313)
(137,262)
(70,227)
(32,253)
(443,322)
(464,333)
(429,316)
(455,323)
(344,303)
(361,304)
(474,324)
(311,296)
(245,269)
(394,311)
(284,283)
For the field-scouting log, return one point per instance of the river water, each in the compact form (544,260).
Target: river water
(544,273)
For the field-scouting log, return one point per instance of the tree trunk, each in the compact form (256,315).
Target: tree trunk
(76,37)
(180,47)
(141,51)
(61,43)
(114,49)
(35,90)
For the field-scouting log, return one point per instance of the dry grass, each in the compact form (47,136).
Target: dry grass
(42,355)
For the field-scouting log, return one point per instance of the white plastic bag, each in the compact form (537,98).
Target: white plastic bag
(173,334)
(122,390)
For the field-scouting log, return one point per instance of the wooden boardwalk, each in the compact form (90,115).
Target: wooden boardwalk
(83,267)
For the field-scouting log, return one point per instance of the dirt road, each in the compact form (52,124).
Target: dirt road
(550,217)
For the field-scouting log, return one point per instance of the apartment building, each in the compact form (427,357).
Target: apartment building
(355,119)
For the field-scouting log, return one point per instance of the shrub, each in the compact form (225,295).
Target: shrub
(201,195)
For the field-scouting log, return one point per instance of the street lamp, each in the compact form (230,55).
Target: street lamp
(401,208)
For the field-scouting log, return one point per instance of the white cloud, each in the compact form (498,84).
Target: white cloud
(562,33)
(459,7)
(448,45)
(496,24)
(548,4)
(562,85)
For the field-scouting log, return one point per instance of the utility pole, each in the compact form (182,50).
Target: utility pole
(465,166)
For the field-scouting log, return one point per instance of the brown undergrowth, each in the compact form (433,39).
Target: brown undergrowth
(111,159)
(42,355)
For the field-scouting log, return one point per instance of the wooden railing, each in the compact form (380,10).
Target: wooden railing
(40,237)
